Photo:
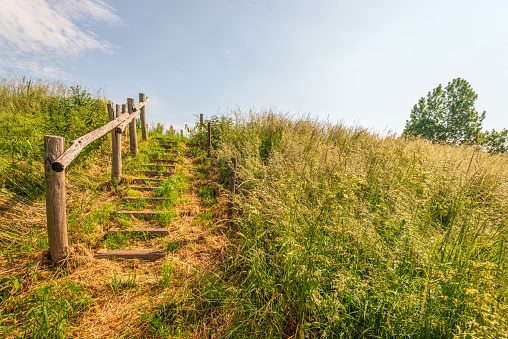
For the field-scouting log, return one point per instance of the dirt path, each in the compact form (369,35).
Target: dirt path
(125,293)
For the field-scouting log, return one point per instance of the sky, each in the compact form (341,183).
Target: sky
(362,62)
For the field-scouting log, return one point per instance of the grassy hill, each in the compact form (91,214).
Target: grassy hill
(338,232)
(342,233)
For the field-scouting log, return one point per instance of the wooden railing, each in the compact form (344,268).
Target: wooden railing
(56,160)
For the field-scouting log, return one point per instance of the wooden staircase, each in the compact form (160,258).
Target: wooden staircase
(157,173)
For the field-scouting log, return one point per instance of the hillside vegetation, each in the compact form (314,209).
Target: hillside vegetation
(29,109)
(338,232)
(343,233)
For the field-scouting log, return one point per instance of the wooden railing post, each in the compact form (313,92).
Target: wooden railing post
(124,111)
(209,139)
(116,160)
(144,133)
(232,187)
(132,129)
(55,200)
(119,145)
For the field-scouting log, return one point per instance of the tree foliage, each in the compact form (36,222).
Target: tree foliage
(447,114)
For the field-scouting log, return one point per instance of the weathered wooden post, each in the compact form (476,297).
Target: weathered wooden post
(132,128)
(200,121)
(209,139)
(123,111)
(119,144)
(232,187)
(55,199)
(144,134)
(116,170)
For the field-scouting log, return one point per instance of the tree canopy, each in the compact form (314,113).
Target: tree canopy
(447,114)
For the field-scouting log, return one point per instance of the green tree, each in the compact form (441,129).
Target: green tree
(495,142)
(447,114)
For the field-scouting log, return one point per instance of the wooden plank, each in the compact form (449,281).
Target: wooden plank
(155,167)
(149,255)
(163,161)
(139,214)
(158,174)
(143,181)
(165,140)
(153,231)
(167,151)
(142,189)
(166,146)
(148,199)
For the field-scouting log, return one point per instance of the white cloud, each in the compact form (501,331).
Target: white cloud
(39,35)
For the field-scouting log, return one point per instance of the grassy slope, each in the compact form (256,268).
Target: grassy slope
(344,233)
(88,297)
(340,233)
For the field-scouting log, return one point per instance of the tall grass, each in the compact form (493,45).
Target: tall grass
(344,233)
(29,109)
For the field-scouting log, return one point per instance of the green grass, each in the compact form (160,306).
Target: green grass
(29,110)
(47,312)
(208,195)
(165,274)
(342,233)
(118,283)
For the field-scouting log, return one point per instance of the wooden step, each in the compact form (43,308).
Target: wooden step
(142,189)
(167,151)
(148,199)
(140,214)
(162,161)
(166,141)
(167,167)
(158,174)
(142,181)
(167,147)
(153,231)
(149,255)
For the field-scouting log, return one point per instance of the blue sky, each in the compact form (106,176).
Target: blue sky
(364,62)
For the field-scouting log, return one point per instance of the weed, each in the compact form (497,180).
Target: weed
(117,240)
(166,217)
(173,246)
(208,195)
(165,275)
(117,283)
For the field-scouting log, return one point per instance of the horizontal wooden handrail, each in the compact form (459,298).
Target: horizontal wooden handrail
(141,104)
(77,145)
(135,111)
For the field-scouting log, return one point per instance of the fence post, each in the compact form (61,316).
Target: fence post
(55,199)
(132,128)
(232,187)
(115,170)
(144,134)
(200,121)
(209,139)
(119,146)
(123,111)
